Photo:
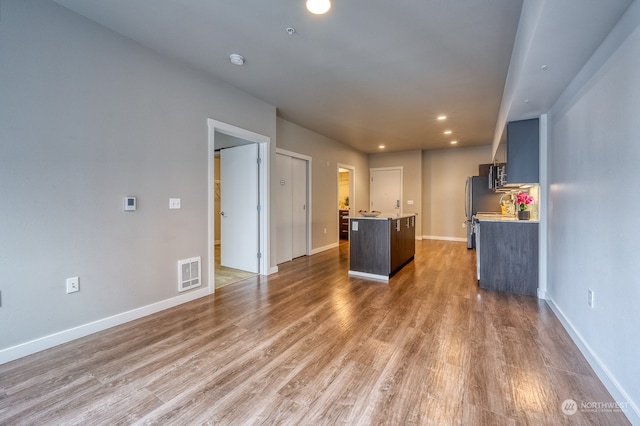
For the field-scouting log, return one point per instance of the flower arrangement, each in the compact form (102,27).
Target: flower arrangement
(523,199)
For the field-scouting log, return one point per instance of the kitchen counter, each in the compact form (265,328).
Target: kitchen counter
(507,255)
(380,246)
(489,217)
(383,217)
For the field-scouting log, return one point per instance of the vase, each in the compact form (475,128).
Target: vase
(523,214)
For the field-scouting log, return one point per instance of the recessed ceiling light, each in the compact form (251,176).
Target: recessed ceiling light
(442,117)
(454,142)
(381,146)
(236,59)
(447,132)
(318,7)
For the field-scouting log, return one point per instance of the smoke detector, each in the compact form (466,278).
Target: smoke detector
(236,59)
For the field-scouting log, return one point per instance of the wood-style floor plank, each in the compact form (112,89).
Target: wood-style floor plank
(311,345)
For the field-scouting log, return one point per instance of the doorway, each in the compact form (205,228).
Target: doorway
(346,198)
(386,190)
(249,235)
(223,275)
(293,209)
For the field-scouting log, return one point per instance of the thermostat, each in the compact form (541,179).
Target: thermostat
(129,204)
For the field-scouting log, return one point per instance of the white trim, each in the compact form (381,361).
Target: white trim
(359,274)
(437,237)
(352,188)
(309,161)
(55,339)
(608,380)
(321,249)
(543,206)
(264,149)
(293,154)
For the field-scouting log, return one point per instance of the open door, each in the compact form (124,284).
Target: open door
(239,214)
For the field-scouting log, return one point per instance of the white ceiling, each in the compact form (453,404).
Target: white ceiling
(374,72)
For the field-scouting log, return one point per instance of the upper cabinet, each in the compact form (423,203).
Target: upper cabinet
(523,148)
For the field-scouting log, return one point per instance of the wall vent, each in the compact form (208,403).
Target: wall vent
(189,273)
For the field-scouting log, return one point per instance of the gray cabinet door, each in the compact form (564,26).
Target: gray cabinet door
(523,147)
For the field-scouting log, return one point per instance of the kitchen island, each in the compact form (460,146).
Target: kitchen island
(380,246)
(507,254)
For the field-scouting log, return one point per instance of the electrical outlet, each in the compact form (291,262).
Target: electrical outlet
(590,298)
(73,284)
(325,230)
(464,225)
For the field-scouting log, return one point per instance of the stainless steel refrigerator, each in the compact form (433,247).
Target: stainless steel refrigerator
(478,198)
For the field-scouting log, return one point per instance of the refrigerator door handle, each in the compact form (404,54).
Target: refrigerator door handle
(466,199)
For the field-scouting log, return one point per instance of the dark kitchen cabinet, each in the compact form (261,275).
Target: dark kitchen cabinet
(379,247)
(508,256)
(343,220)
(523,151)
(403,241)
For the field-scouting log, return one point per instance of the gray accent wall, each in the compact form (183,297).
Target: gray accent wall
(593,166)
(444,173)
(87,117)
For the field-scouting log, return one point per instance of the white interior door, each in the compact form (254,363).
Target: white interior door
(386,190)
(284,209)
(299,207)
(239,216)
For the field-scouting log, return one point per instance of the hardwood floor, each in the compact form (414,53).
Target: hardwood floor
(225,275)
(312,346)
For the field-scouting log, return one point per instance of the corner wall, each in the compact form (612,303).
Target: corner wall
(326,154)
(444,173)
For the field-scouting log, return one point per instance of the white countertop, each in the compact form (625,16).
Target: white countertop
(383,217)
(497,217)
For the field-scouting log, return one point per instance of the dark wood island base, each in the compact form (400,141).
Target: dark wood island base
(380,246)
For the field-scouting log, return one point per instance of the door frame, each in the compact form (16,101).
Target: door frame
(309,161)
(264,150)
(352,189)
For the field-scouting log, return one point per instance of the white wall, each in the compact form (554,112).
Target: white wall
(444,175)
(594,175)
(86,118)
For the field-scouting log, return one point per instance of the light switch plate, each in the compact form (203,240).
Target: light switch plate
(175,203)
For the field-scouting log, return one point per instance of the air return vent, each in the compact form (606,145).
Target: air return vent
(189,273)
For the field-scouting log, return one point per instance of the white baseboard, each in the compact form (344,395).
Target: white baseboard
(608,380)
(46,342)
(419,237)
(436,237)
(273,270)
(384,278)
(321,249)
(543,295)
